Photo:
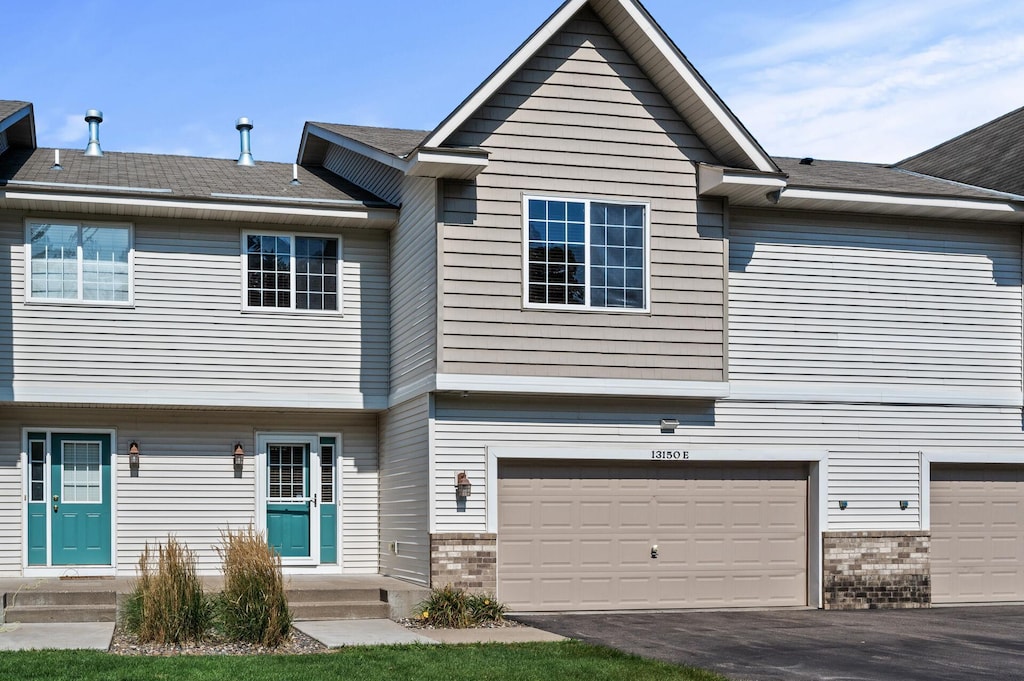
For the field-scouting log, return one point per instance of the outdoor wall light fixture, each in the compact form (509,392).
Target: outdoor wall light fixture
(239,455)
(904,505)
(669,425)
(463,487)
(843,503)
(133,454)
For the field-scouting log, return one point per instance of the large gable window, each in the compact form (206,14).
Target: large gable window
(291,272)
(586,254)
(79,262)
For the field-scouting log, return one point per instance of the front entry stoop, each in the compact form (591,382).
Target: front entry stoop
(337,603)
(38,606)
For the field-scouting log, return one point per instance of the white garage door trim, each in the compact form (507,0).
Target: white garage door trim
(817,483)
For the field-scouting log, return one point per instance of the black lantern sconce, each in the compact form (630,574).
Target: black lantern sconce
(133,454)
(239,455)
(463,487)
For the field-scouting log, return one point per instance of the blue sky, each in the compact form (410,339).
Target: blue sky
(867,80)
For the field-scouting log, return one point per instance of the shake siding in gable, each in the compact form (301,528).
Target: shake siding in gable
(414,285)
(404,490)
(874,304)
(581,119)
(186,340)
(374,177)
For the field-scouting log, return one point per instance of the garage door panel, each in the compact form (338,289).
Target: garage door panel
(716,546)
(977,530)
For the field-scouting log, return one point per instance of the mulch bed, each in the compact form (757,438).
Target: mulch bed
(298,643)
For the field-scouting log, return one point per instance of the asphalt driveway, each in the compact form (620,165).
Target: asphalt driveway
(936,644)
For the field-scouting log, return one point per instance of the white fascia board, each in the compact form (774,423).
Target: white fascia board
(227,399)
(846,393)
(497,79)
(708,98)
(899,200)
(358,147)
(15,117)
(442,163)
(581,387)
(353,214)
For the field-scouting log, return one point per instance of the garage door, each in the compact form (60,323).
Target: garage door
(580,536)
(977,534)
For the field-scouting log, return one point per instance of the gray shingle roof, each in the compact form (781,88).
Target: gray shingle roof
(9,107)
(185,176)
(397,142)
(873,177)
(991,155)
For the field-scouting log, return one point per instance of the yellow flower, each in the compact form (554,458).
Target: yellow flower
(486,602)
(426,614)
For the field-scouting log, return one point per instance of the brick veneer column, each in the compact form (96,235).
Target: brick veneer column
(466,560)
(876,569)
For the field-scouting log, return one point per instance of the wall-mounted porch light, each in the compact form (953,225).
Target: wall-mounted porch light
(463,487)
(843,503)
(133,454)
(669,425)
(239,455)
(904,505)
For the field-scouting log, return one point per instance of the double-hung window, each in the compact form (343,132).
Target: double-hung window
(79,262)
(291,272)
(587,254)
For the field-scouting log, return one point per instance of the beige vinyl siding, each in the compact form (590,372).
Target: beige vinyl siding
(874,303)
(580,119)
(404,490)
(376,178)
(186,484)
(414,285)
(186,340)
(872,437)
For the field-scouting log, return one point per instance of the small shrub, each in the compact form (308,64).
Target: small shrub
(167,603)
(252,607)
(485,608)
(454,608)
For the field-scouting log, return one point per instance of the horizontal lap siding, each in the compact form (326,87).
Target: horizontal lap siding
(873,450)
(186,485)
(581,119)
(907,303)
(404,495)
(186,336)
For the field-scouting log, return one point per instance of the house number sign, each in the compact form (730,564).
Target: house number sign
(669,454)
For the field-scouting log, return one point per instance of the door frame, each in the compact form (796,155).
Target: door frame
(312,440)
(51,570)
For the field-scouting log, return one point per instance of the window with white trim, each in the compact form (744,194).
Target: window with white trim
(79,262)
(291,272)
(586,253)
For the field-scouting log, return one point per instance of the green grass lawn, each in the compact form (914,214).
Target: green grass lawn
(564,661)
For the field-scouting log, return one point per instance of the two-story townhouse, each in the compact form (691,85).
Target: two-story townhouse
(674,370)
(190,345)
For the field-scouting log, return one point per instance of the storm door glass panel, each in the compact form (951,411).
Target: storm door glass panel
(105,263)
(287,471)
(326,473)
(316,273)
(37,470)
(54,257)
(80,477)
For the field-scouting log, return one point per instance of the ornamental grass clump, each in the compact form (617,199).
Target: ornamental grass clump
(454,608)
(167,604)
(252,607)
(485,608)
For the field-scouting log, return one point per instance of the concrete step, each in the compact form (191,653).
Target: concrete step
(39,614)
(52,597)
(334,595)
(339,611)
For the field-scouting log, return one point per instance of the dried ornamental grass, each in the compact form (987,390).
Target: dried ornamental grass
(252,607)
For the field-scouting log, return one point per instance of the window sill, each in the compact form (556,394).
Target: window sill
(277,312)
(123,305)
(587,309)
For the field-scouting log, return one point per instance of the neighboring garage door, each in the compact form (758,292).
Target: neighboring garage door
(578,536)
(977,524)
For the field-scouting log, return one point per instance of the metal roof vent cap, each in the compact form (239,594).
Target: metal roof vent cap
(243,125)
(94,117)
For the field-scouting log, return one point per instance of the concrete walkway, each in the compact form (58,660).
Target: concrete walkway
(332,633)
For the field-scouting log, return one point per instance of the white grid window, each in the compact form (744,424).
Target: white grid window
(291,272)
(79,262)
(80,473)
(287,471)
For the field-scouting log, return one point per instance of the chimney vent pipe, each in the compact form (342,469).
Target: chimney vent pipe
(243,125)
(94,117)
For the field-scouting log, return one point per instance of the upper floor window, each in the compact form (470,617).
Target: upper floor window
(79,262)
(587,254)
(291,272)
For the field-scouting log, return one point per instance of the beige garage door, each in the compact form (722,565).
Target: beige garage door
(579,536)
(977,534)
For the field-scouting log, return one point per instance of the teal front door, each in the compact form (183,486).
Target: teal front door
(293,527)
(80,527)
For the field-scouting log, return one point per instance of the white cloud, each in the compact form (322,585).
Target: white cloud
(71,130)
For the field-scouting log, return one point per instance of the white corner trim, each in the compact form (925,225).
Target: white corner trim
(754,391)
(897,200)
(549,385)
(424,385)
